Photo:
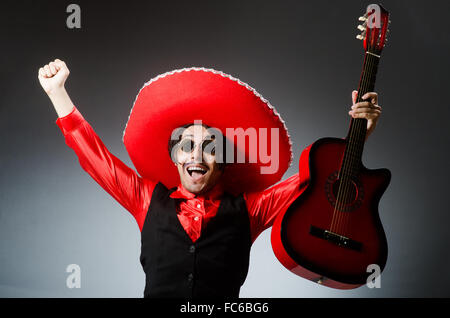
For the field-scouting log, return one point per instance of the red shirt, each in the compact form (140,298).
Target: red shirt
(134,192)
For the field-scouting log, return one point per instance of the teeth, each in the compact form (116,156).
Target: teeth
(196,168)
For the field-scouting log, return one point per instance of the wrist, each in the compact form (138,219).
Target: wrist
(61,101)
(57,92)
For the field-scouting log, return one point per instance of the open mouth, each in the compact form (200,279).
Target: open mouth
(196,171)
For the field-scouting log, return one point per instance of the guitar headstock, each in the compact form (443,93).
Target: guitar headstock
(374,29)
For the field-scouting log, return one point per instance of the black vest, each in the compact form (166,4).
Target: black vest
(216,265)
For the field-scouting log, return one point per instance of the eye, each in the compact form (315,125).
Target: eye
(187,145)
(209,147)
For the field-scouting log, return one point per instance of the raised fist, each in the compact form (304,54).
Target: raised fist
(53,76)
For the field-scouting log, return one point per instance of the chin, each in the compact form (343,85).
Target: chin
(195,188)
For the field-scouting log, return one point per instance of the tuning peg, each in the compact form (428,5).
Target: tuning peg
(363,18)
(361,28)
(360,37)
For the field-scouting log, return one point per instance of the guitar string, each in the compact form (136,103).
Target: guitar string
(373,61)
(372,68)
(355,148)
(346,183)
(360,143)
(342,173)
(338,216)
(362,130)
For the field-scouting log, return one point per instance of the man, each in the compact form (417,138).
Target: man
(198,215)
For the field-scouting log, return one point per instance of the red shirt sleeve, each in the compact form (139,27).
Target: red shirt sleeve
(264,206)
(120,181)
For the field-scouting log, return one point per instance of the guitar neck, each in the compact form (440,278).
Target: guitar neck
(358,126)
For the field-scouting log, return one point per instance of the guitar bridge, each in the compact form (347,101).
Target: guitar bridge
(335,238)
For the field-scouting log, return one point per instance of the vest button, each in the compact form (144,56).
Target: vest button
(192,249)
(190,277)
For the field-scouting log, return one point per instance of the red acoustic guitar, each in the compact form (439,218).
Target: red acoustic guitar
(332,232)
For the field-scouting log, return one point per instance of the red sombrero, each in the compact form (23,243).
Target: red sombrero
(183,96)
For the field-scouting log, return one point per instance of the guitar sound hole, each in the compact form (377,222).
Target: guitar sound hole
(345,192)
(348,198)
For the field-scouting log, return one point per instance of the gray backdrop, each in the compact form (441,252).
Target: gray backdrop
(300,55)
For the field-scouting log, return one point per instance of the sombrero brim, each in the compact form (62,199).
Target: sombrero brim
(183,96)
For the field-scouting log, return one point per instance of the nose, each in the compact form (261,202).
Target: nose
(197,154)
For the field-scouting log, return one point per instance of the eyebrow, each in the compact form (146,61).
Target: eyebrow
(189,135)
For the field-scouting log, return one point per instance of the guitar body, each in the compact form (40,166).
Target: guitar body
(327,244)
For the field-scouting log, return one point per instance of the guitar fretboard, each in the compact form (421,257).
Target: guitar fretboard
(351,162)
